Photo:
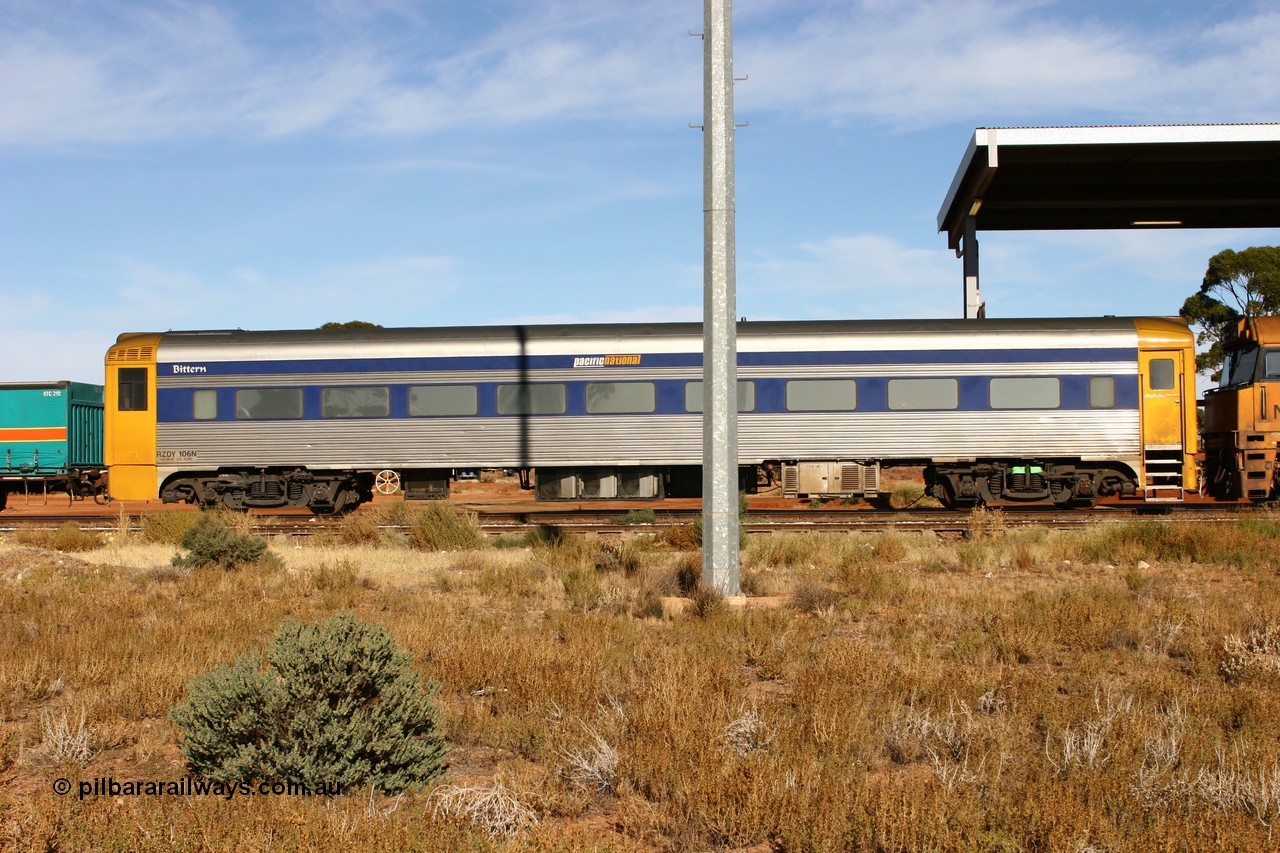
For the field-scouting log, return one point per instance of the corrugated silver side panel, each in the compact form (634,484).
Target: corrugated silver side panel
(649,439)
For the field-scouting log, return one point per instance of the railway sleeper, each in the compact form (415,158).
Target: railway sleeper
(1025,483)
(322,492)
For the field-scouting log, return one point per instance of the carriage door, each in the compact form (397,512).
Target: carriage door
(1162,423)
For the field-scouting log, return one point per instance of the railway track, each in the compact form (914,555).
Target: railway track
(762,522)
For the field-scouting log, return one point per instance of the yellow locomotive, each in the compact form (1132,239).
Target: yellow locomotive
(1242,416)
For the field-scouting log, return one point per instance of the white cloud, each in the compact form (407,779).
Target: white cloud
(641,314)
(853,276)
(387,291)
(924,63)
(145,296)
(142,71)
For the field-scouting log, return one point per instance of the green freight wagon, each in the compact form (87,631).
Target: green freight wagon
(51,439)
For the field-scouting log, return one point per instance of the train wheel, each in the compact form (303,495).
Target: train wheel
(387,482)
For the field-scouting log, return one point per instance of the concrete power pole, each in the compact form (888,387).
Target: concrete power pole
(720,553)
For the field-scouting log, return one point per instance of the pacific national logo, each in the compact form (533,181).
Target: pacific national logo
(606,360)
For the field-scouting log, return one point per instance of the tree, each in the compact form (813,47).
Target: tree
(351,324)
(1236,285)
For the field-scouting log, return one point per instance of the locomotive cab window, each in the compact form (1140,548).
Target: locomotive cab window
(268,404)
(906,394)
(1102,392)
(442,401)
(132,382)
(746,396)
(204,404)
(1271,366)
(1032,392)
(1162,375)
(546,398)
(355,402)
(822,395)
(1239,366)
(615,398)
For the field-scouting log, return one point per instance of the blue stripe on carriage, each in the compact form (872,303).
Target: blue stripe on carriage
(655,360)
(176,405)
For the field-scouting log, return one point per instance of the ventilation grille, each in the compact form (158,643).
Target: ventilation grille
(132,354)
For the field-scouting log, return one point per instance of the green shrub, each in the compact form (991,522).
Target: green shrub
(618,557)
(212,541)
(810,596)
(168,526)
(438,527)
(689,573)
(908,494)
(338,705)
(31,536)
(582,587)
(635,516)
(359,528)
(69,537)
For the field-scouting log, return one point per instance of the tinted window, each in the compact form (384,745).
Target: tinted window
(540,399)
(1272,364)
(438,401)
(924,394)
(746,396)
(1039,392)
(822,395)
(606,398)
(1162,375)
(1102,392)
(204,404)
(355,402)
(1239,367)
(133,389)
(257,404)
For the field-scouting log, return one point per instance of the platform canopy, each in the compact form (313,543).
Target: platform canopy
(1082,178)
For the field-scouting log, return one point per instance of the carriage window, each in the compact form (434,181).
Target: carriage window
(746,396)
(133,388)
(1102,392)
(822,395)
(204,404)
(1040,392)
(540,399)
(1162,374)
(924,394)
(264,404)
(610,398)
(440,401)
(355,402)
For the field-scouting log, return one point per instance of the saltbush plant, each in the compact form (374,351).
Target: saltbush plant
(338,705)
(212,541)
(168,526)
(437,526)
(67,538)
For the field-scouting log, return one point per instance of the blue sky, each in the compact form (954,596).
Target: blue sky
(176,165)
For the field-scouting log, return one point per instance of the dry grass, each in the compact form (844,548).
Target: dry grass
(1110,689)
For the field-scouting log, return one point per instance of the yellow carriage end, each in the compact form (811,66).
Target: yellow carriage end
(129,417)
(1167,368)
